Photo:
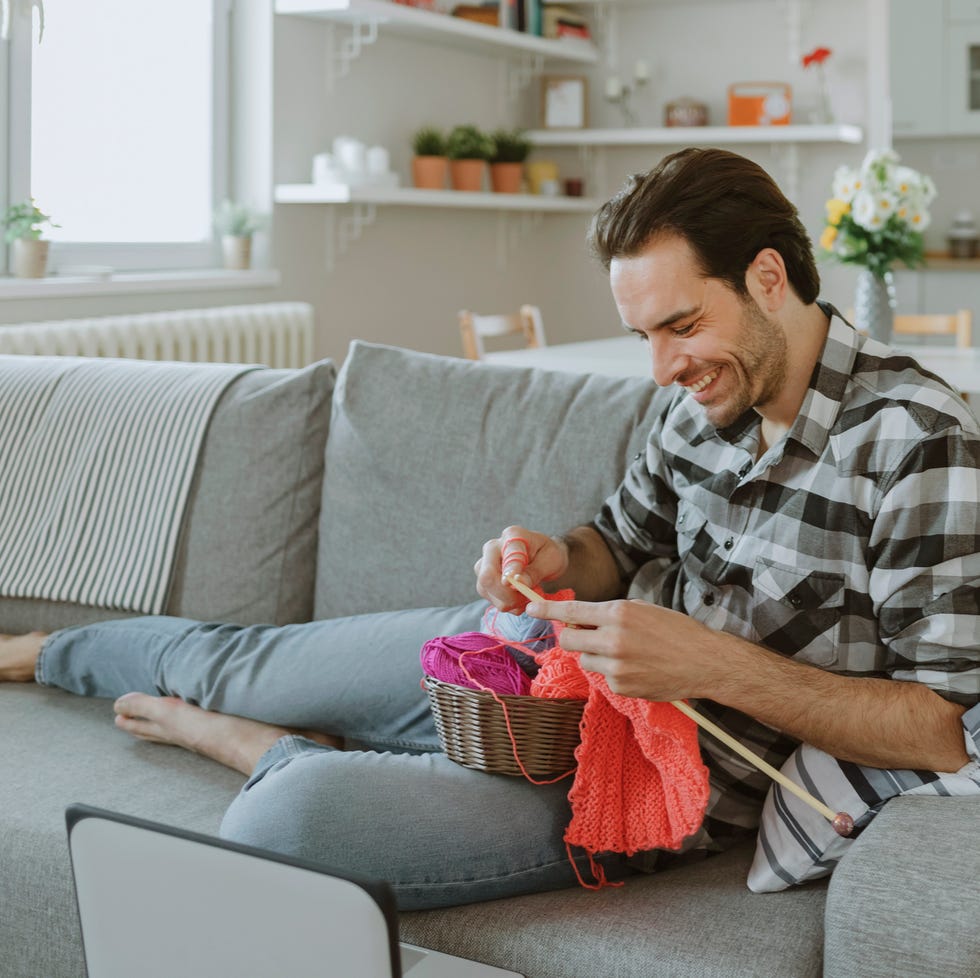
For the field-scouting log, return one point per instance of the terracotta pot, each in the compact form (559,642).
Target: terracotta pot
(505,178)
(30,258)
(467,174)
(430,172)
(236,251)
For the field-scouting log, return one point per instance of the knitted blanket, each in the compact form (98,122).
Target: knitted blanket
(640,783)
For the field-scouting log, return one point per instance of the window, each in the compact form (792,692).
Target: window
(118,125)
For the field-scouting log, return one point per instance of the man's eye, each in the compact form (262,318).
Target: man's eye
(684,330)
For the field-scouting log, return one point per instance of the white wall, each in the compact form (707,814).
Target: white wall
(403,281)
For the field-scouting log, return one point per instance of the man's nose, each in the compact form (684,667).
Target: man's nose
(666,360)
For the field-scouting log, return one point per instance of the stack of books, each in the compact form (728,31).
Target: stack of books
(530,16)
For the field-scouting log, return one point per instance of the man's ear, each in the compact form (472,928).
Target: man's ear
(766,280)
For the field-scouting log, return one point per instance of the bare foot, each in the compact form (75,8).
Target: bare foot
(18,656)
(236,742)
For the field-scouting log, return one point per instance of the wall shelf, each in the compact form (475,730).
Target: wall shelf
(697,135)
(304,193)
(426,25)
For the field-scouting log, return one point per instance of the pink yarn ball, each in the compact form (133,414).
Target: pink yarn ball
(475,661)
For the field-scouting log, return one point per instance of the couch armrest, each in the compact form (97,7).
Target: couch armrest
(903,900)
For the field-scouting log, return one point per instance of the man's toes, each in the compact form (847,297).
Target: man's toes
(143,705)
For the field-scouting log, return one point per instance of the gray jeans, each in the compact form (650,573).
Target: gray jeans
(395,808)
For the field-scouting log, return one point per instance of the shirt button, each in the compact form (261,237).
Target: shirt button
(637,456)
(709,599)
(744,470)
(729,543)
(680,519)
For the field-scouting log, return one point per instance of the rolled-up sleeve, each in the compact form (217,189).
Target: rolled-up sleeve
(924,557)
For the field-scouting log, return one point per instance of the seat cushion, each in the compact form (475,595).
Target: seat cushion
(696,921)
(247,550)
(428,457)
(59,749)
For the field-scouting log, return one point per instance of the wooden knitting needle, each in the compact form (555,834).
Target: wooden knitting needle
(841,821)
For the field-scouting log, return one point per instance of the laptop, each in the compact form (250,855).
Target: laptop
(160,902)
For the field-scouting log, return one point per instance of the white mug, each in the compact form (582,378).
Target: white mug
(324,170)
(350,154)
(377,160)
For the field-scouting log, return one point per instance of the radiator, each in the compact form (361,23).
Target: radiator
(278,334)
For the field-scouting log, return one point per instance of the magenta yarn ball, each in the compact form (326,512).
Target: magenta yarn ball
(475,661)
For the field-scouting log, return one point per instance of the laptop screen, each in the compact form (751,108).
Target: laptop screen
(160,902)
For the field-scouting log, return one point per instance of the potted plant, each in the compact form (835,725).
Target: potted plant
(236,223)
(468,150)
(23,223)
(510,149)
(430,166)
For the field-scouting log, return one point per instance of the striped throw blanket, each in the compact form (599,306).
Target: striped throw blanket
(96,463)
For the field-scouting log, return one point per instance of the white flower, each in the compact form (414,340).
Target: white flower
(872,208)
(846,183)
(907,182)
(928,190)
(914,215)
(876,157)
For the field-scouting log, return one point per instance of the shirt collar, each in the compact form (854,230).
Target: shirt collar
(828,384)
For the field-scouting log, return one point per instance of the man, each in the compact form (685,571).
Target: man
(800,541)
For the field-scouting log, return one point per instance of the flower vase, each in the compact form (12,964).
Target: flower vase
(874,305)
(823,115)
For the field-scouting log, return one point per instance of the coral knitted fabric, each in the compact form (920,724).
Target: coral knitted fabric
(640,782)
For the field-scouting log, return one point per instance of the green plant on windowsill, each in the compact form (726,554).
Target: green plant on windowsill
(25,222)
(236,223)
(236,220)
(24,225)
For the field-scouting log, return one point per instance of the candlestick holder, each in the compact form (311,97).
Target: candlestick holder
(621,95)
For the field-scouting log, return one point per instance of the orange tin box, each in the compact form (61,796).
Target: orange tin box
(759,104)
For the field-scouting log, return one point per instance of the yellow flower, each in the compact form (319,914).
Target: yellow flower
(828,237)
(836,209)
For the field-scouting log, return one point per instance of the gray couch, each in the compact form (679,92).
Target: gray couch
(424,459)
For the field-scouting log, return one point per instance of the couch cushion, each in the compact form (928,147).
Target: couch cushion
(430,456)
(696,921)
(59,749)
(248,545)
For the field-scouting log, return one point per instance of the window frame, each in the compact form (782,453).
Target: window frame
(15,158)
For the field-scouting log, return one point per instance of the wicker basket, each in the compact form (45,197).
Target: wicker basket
(473,730)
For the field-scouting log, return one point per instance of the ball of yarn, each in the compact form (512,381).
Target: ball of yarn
(475,661)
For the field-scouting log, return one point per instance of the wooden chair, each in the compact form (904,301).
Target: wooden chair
(958,324)
(475,328)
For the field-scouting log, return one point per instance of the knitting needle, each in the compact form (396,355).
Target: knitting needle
(841,821)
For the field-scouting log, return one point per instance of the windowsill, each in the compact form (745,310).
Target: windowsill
(122,283)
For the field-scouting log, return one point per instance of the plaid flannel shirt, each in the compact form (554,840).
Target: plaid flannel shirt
(852,544)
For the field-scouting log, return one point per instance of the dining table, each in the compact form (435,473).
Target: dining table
(629,356)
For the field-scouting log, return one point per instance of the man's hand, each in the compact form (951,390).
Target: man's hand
(643,650)
(657,654)
(534,558)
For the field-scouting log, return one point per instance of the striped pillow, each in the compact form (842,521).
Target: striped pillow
(796,843)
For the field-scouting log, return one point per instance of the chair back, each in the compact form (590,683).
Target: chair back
(475,328)
(957,324)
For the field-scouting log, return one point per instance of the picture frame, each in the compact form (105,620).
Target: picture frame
(564,101)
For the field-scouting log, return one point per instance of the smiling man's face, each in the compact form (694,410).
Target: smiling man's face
(718,345)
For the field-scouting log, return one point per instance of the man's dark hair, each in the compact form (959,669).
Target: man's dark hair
(726,207)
